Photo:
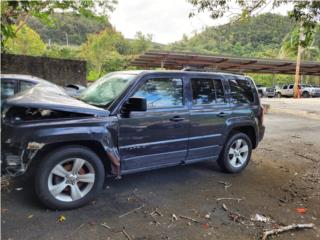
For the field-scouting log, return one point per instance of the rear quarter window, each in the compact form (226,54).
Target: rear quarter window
(241,91)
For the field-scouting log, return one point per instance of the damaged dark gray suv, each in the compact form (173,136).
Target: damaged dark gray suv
(128,122)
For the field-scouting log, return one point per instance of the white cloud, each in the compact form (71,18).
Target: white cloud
(166,20)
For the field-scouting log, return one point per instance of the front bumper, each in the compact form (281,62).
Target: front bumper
(12,160)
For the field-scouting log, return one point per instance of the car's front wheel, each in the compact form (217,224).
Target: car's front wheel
(236,153)
(305,94)
(69,177)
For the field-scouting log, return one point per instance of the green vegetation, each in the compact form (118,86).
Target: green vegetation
(26,42)
(68,28)
(92,38)
(19,11)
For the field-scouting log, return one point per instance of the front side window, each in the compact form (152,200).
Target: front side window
(241,91)
(7,88)
(106,89)
(206,91)
(162,92)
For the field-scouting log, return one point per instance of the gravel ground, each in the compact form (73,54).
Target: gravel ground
(183,202)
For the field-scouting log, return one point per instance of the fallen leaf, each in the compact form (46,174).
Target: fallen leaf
(61,218)
(301,210)
(30,216)
(205,226)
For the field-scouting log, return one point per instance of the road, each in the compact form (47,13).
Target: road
(284,174)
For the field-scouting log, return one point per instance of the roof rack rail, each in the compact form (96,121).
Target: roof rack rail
(194,69)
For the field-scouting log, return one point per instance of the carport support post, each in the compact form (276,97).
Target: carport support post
(296,92)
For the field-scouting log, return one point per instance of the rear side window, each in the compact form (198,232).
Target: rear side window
(241,91)
(207,91)
(24,85)
(162,92)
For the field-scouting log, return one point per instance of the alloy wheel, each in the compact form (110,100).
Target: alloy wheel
(71,179)
(238,153)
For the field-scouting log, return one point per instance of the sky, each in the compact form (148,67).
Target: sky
(166,20)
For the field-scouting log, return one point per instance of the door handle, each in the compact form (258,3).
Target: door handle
(176,119)
(223,114)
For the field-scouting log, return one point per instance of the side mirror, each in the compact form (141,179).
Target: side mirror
(135,104)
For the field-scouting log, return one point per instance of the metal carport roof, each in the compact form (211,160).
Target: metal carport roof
(180,60)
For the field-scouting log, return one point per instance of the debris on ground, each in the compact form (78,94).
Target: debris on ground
(19,188)
(237,199)
(30,216)
(105,225)
(61,218)
(260,218)
(156,212)
(131,211)
(126,234)
(301,210)
(285,228)
(189,218)
(174,217)
(226,184)
(236,217)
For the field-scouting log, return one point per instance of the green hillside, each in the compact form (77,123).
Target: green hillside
(75,27)
(258,36)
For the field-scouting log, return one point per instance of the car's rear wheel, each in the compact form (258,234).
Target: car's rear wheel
(236,153)
(278,95)
(69,177)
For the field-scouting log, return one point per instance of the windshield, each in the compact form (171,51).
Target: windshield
(106,89)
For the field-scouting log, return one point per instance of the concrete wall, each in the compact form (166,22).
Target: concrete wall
(59,71)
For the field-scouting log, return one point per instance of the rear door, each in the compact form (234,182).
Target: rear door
(208,114)
(159,136)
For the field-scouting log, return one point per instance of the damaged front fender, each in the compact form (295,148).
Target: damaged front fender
(22,141)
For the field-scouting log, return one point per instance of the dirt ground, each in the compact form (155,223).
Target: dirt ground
(183,202)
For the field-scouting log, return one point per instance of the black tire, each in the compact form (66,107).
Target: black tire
(305,94)
(278,95)
(58,156)
(225,163)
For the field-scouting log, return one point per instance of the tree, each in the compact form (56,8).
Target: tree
(26,42)
(100,48)
(18,12)
(305,12)
(141,43)
(291,42)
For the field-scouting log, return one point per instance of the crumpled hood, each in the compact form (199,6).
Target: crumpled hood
(53,98)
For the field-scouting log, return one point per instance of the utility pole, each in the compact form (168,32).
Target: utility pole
(300,50)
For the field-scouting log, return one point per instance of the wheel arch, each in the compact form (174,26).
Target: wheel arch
(249,130)
(94,146)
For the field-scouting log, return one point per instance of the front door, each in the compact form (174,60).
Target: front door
(159,136)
